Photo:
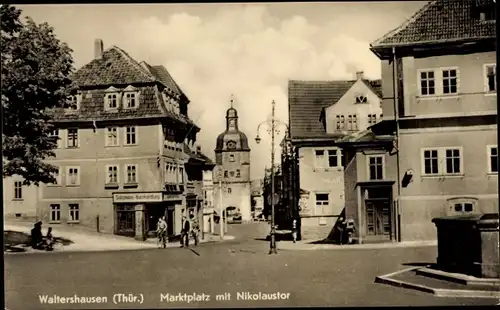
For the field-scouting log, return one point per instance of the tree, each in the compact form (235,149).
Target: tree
(36,69)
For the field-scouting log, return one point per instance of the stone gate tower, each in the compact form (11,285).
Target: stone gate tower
(232,156)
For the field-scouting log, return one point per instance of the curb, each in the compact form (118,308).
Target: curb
(316,247)
(438,292)
(458,278)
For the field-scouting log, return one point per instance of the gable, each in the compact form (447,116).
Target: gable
(348,100)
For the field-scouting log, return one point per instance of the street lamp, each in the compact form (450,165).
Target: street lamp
(273,131)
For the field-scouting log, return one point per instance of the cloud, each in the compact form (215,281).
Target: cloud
(245,51)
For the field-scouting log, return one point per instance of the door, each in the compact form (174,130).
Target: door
(378,218)
(170,222)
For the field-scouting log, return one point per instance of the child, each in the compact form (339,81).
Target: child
(49,239)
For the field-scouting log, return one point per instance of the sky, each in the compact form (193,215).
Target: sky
(248,50)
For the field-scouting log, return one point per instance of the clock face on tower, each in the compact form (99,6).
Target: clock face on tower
(231,145)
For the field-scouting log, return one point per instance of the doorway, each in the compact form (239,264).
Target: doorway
(378,220)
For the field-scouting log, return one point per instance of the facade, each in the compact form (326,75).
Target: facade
(442,107)
(322,112)
(233,169)
(208,201)
(19,201)
(124,145)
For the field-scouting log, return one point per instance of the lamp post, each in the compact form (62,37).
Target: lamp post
(273,131)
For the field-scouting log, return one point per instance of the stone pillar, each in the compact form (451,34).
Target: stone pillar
(139,222)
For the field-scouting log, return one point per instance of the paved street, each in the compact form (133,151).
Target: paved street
(312,278)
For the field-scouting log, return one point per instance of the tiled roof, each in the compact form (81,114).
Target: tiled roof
(162,74)
(92,107)
(307,99)
(441,21)
(115,67)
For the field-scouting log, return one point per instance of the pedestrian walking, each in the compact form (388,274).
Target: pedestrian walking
(195,230)
(161,232)
(294,230)
(186,228)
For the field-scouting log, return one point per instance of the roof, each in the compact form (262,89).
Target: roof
(197,155)
(366,136)
(161,74)
(115,67)
(441,21)
(307,99)
(92,108)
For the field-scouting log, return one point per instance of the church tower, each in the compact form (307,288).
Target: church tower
(232,156)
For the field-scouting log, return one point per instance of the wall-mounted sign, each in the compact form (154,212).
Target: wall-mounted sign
(171,197)
(137,197)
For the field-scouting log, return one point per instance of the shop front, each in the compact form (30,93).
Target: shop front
(137,213)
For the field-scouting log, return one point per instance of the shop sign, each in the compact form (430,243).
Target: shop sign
(167,197)
(137,197)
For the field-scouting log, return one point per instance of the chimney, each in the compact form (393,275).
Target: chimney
(98,49)
(360,75)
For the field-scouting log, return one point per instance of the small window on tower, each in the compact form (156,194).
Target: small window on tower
(231,157)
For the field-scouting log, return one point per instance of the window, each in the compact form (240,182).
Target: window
(226,174)
(131,135)
(55,213)
(74,212)
(112,101)
(463,207)
(491,78)
(450,81)
(349,122)
(73,176)
(372,119)
(333,158)
(427,83)
(229,190)
(55,134)
(131,174)
(442,161)
(231,157)
(130,100)
(57,177)
(72,137)
(238,173)
(338,122)
(111,136)
(354,122)
(376,167)
(322,202)
(73,102)
(431,162)
(181,173)
(319,162)
(452,161)
(112,174)
(360,99)
(18,190)
(492,159)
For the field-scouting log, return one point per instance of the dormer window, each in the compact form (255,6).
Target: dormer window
(360,99)
(73,102)
(130,100)
(130,97)
(111,99)
(487,11)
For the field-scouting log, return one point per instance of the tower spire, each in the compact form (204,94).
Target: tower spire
(232,100)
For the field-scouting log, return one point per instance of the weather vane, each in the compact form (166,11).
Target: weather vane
(232,100)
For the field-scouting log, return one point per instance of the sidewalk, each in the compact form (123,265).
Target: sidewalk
(84,240)
(308,246)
